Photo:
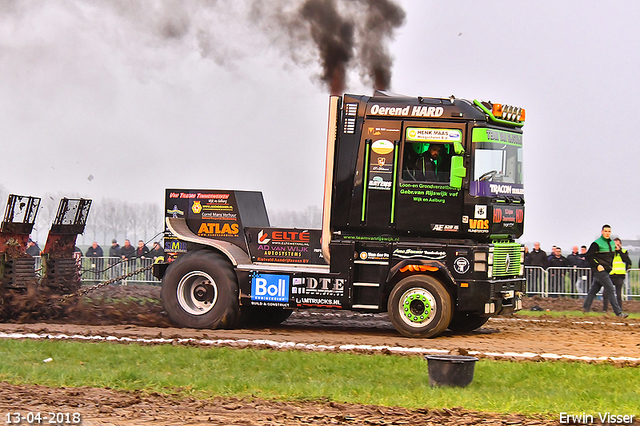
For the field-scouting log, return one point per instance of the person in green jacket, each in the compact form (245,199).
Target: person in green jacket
(621,263)
(600,257)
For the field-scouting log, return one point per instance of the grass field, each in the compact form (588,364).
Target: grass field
(498,386)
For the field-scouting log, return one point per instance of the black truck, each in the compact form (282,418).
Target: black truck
(423,202)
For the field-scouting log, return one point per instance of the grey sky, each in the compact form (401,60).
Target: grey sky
(149,95)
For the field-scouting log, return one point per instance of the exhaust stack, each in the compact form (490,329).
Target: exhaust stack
(332,132)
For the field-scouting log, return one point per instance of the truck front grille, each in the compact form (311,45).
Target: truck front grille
(506,259)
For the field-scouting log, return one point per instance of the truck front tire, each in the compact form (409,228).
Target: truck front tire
(466,321)
(200,290)
(420,306)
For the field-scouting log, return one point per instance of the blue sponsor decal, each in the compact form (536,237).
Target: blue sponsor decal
(270,288)
(175,246)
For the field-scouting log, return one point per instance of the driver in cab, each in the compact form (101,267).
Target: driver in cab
(422,165)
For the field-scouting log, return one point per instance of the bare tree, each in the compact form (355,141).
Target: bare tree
(114,217)
(151,220)
(310,217)
(47,213)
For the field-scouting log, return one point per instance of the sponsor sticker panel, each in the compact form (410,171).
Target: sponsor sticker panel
(428,192)
(270,290)
(284,245)
(381,165)
(318,292)
(209,213)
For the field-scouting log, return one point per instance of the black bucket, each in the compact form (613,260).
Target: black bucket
(450,370)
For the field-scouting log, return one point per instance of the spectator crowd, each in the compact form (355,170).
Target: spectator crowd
(603,265)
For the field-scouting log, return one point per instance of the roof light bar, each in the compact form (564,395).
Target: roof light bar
(502,113)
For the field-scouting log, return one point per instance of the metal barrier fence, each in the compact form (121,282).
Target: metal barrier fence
(97,269)
(573,282)
(548,282)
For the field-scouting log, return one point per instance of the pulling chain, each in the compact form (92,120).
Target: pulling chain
(87,290)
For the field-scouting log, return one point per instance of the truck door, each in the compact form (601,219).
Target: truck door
(380,139)
(425,202)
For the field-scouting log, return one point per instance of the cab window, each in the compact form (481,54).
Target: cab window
(426,162)
(427,153)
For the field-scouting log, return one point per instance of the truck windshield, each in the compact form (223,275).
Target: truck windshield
(497,159)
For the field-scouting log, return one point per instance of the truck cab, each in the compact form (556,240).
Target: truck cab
(424,199)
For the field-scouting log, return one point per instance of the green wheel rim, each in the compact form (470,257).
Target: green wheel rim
(417,306)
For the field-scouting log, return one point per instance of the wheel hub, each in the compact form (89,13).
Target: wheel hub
(203,292)
(418,307)
(197,293)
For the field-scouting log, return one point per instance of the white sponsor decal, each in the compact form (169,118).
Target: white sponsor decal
(461,265)
(410,111)
(433,135)
(444,228)
(425,254)
(505,189)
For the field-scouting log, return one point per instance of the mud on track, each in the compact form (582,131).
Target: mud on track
(132,312)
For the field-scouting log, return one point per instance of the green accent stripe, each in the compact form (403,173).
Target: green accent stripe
(493,118)
(366,179)
(480,135)
(395,178)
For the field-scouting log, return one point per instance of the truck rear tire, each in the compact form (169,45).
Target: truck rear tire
(466,321)
(200,290)
(420,306)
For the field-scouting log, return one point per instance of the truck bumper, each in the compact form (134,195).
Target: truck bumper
(492,297)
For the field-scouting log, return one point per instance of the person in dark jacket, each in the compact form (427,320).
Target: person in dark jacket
(142,250)
(600,257)
(556,276)
(579,277)
(32,248)
(114,250)
(621,263)
(156,251)
(424,166)
(94,253)
(114,259)
(557,260)
(578,259)
(127,252)
(537,257)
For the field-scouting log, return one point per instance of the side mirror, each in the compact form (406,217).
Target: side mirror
(458,148)
(458,171)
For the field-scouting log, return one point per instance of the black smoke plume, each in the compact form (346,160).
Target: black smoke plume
(383,17)
(342,35)
(333,35)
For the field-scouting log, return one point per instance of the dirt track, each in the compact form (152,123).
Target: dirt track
(505,338)
(108,407)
